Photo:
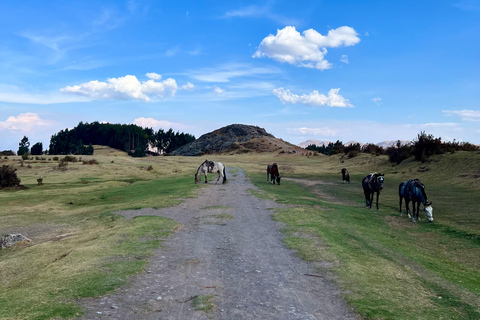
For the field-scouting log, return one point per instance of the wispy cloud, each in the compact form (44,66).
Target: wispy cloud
(344,59)
(377,100)
(307,50)
(125,88)
(325,131)
(224,73)
(13,94)
(466,115)
(315,99)
(260,12)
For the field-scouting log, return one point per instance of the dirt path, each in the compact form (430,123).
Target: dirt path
(229,249)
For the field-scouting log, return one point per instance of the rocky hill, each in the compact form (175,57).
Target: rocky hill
(236,138)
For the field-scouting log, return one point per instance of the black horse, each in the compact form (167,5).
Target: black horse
(414,191)
(372,183)
(345,175)
(273,173)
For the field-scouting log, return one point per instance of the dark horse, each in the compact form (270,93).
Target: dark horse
(414,190)
(273,173)
(345,175)
(372,183)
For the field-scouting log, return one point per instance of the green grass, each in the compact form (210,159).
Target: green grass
(390,267)
(203,303)
(79,248)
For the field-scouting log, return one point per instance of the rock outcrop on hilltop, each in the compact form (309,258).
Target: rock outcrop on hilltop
(222,139)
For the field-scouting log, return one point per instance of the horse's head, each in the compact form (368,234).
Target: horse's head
(278,179)
(379,179)
(196,178)
(429,211)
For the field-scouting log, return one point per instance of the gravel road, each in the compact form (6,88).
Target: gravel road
(231,251)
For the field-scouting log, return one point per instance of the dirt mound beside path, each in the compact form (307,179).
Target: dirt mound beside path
(228,262)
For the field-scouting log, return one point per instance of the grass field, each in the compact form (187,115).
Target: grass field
(387,266)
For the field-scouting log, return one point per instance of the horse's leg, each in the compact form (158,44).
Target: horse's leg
(206,179)
(407,209)
(418,210)
(367,198)
(378,194)
(218,177)
(370,200)
(400,205)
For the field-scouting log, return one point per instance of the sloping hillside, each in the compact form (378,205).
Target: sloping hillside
(236,138)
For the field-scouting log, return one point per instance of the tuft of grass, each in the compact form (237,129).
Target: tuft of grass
(203,303)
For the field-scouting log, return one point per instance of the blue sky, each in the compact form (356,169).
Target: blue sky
(327,70)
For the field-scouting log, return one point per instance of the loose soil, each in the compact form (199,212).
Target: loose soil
(229,252)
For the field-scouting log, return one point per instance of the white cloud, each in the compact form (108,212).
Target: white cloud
(344,59)
(125,88)
(218,90)
(313,99)
(24,122)
(158,124)
(325,131)
(153,76)
(189,86)
(308,50)
(377,100)
(466,115)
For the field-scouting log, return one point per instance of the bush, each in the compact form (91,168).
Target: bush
(399,153)
(69,159)
(8,177)
(25,156)
(92,161)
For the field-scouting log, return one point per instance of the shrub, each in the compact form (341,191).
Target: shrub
(40,181)
(426,145)
(8,177)
(150,168)
(92,161)
(25,156)
(399,153)
(69,159)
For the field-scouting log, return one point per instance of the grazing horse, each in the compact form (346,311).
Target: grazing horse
(204,168)
(345,175)
(372,183)
(273,173)
(414,190)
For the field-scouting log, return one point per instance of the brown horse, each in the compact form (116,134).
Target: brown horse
(345,175)
(273,173)
(372,183)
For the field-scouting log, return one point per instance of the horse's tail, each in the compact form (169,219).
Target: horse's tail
(224,175)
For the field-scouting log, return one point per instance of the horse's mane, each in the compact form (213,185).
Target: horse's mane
(206,161)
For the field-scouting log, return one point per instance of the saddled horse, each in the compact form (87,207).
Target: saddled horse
(345,175)
(372,183)
(414,191)
(273,174)
(208,167)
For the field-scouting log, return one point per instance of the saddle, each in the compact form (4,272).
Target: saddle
(411,184)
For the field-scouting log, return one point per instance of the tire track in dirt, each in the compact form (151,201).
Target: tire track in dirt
(240,262)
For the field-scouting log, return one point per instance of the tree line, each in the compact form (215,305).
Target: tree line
(424,146)
(134,140)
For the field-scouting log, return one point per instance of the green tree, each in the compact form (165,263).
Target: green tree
(23,146)
(37,149)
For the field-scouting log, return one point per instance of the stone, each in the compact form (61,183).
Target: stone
(10,239)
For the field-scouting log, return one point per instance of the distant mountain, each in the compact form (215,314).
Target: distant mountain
(383,144)
(386,144)
(318,143)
